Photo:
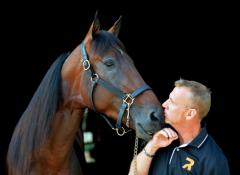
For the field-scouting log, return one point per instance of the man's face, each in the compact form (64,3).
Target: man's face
(175,106)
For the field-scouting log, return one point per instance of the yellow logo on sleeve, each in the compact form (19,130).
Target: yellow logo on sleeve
(188,165)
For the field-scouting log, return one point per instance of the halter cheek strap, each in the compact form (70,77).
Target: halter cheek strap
(127,99)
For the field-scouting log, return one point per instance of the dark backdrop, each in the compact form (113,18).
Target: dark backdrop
(196,42)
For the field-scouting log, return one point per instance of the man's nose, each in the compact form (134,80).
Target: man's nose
(165,104)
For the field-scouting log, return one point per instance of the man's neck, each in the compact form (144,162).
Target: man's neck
(188,133)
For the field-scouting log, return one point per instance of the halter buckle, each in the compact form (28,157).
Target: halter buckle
(86,64)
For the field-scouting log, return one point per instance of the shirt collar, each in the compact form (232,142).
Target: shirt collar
(200,139)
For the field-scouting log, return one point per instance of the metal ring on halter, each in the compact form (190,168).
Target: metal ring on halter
(94,78)
(86,64)
(120,131)
(128,99)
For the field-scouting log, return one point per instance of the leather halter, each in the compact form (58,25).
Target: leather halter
(127,98)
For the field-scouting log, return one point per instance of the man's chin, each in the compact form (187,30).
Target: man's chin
(167,121)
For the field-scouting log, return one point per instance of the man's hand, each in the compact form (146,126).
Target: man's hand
(161,139)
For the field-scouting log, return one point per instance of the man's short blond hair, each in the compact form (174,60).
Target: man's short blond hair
(200,95)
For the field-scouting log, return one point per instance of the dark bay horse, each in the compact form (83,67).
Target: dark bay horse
(98,74)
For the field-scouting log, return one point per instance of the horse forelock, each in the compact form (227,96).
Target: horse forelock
(34,125)
(105,41)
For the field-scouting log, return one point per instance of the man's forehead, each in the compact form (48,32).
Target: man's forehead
(179,92)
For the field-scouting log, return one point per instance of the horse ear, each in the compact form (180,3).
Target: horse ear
(116,27)
(94,28)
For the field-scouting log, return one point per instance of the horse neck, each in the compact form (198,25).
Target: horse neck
(74,83)
(57,151)
(67,120)
(58,147)
(65,126)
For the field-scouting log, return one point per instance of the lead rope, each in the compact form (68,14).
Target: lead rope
(135,155)
(128,118)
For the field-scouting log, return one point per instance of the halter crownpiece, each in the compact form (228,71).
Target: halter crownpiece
(127,98)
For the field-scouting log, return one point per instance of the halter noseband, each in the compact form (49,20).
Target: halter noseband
(127,98)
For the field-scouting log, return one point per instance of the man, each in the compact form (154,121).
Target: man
(185,147)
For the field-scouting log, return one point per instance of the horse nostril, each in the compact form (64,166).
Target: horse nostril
(154,116)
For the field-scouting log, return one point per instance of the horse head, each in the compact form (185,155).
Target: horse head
(100,75)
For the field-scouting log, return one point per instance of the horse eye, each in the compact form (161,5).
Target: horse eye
(109,62)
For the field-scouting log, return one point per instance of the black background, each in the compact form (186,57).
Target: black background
(166,42)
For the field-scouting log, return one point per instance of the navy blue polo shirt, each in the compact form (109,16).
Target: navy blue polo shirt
(202,156)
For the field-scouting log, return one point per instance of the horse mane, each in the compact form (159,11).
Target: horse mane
(35,123)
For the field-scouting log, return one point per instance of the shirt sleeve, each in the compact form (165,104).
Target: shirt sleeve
(218,167)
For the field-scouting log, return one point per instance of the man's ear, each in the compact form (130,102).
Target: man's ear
(94,28)
(116,27)
(191,113)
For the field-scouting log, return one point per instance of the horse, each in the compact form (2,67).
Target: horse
(98,75)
